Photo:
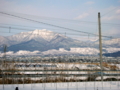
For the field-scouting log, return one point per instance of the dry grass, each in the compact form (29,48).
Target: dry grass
(111,67)
(49,80)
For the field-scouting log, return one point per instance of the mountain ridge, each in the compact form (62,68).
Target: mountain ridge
(44,40)
(41,40)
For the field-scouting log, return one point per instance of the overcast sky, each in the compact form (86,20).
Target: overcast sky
(80,15)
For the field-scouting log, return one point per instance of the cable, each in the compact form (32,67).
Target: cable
(16,28)
(54,32)
(32,30)
(108,12)
(23,26)
(25,29)
(111,37)
(51,18)
(49,24)
(44,23)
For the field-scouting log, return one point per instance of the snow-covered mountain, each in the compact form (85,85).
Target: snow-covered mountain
(41,40)
(36,35)
(111,43)
(45,41)
(4,41)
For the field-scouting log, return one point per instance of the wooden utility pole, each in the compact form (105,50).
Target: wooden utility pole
(4,66)
(100,45)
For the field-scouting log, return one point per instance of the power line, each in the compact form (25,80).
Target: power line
(25,29)
(108,12)
(10,25)
(23,26)
(70,34)
(49,24)
(17,28)
(51,35)
(51,18)
(44,23)
(38,32)
(48,32)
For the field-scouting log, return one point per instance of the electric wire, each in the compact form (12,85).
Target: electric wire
(48,24)
(10,28)
(109,11)
(61,19)
(34,34)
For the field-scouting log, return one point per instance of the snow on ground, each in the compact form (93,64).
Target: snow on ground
(112,85)
(61,51)
(106,77)
(59,66)
(118,65)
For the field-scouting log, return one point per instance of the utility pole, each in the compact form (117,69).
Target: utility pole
(100,45)
(4,64)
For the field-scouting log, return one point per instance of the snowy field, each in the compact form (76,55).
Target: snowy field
(112,85)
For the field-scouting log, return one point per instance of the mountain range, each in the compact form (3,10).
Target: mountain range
(39,40)
(44,40)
